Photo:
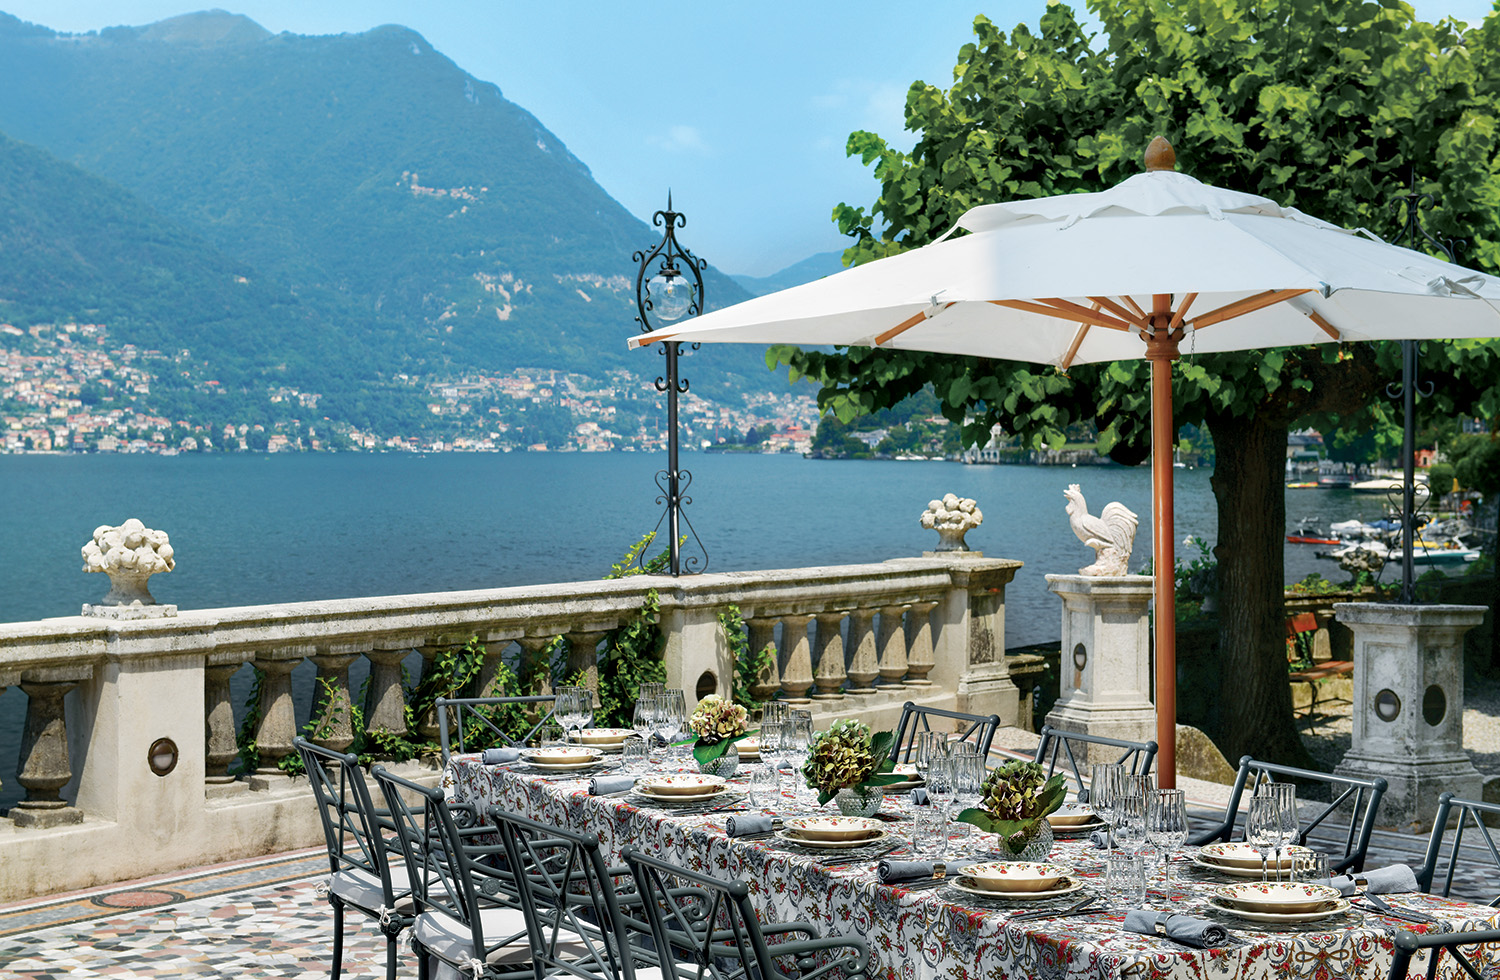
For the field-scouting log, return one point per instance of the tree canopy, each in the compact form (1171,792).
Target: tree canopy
(1332,106)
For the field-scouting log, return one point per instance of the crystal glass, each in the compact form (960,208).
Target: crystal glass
(677,723)
(635,754)
(1263,828)
(926,747)
(770,748)
(940,784)
(640,719)
(661,722)
(967,773)
(1285,795)
(1104,782)
(1311,867)
(1124,879)
(1130,823)
(765,785)
(796,740)
(1166,826)
(585,708)
(929,832)
(651,689)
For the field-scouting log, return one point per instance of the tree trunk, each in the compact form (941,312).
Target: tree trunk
(1249,486)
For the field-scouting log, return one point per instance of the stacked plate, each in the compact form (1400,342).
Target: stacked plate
(1074,820)
(681,788)
(912,781)
(833,832)
(605,739)
(1017,880)
(1243,861)
(1279,901)
(749,749)
(562,758)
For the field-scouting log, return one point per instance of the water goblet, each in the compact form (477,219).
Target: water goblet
(1166,826)
(1130,823)
(1263,828)
(770,748)
(796,743)
(635,753)
(1104,782)
(1124,879)
(1285,795)
(765,786)
(967,773)
(926,747)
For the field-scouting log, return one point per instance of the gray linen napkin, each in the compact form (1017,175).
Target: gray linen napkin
(1380,881)
(1100,839)
(608,785)
(1181,928)
(919,796)
(891,872)
(750,823)
(499,757)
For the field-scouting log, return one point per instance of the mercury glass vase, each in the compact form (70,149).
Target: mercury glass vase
(725,765)
(853,803)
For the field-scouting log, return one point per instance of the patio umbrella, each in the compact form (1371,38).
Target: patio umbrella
(1126,273)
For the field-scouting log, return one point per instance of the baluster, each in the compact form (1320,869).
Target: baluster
(385,701)
(220,747)
(796,676)
(763,632)
(830,675)
(583,655)
(427,725)
(919,661)
(495,642)
(536,671)
(333,704)
(278,716)
(892,645)
(863,667)
(45,768)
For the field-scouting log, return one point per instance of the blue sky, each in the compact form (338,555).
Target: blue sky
(741,108)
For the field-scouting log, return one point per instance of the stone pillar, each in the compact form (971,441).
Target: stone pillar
(863,667)
(495,642)
(45,766)
(278,717)
(830,674)
(1105,681)
(333,724)
(763,633)
(796,669)
(535,669)
(919,658)
(892,645)
(698,659)
(385,701)
(1409,706)
(220,747)
(970,653)
(583,653)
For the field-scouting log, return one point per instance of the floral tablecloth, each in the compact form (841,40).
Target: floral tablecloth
(918,934)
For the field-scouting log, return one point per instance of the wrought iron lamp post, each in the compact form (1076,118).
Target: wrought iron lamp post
(1410,390)
(669,287)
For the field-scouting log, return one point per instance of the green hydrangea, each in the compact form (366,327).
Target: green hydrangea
(1014,799)
(848,756)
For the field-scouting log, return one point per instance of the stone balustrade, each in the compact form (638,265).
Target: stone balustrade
(128,758)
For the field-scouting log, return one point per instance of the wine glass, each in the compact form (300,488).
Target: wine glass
(1285,795)
(967,773)
(940,784)
(1166,826)
(1130,822)
(796,742)
(677,720)
(1263,828)
(585,708)
(770,747)
(1104,784)
(640,718)
(661,722)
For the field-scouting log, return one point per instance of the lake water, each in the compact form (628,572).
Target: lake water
(251,529)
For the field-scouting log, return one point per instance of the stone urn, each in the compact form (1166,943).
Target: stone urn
(952,518)
(129,554)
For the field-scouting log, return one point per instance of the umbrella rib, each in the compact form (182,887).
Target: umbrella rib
(1182,308)
(1247,305)
(1083,331)
(1076,313)
(904,326)
(1119,311)
(1325,326)
(1135,306)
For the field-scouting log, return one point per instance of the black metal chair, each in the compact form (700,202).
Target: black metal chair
(1408,945)
(1469,814)
(1137,757)
(706,929)
(362,876)
(979,729)
(575,911)
(468,903)
(483,722)
(1360,797)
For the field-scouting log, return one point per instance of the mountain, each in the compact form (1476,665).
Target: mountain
(372,195)
(813,267)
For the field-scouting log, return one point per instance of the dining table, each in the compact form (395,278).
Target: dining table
(936,927)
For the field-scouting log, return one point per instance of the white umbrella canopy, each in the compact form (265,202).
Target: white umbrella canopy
(1159,260)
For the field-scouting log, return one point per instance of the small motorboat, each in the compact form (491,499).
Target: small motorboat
(1309,531)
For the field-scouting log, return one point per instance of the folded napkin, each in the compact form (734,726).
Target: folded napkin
(750,823)
(1181,928)
(499,757)
(1083,796)
(1100,839)
(919,797)
(891,872)
(1380,881)
(608,785)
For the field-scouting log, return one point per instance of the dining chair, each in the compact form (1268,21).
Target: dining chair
(706,928)
(468,904)
(484,721)
(576,913)
(362,875)
(1359,798)
(1408,945)
(979,729)
(1136,757)
(1467,814)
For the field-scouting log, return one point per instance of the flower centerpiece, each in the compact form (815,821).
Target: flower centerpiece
(718,723)
(1014,802)
(851,763)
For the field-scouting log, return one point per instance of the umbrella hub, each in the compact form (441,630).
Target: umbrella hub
(1160,155)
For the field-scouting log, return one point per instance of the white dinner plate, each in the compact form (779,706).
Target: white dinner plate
(1236,872)
(834,845)
(564,766)
(1340,906)
(679,799)
(1067,886)
(1078,829)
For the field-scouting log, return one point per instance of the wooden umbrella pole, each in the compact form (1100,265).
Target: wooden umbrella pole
(1161,351)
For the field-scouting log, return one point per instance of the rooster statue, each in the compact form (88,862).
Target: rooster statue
(1111,534)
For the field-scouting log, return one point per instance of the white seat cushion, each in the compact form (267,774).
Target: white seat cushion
(360,888)
(449,939)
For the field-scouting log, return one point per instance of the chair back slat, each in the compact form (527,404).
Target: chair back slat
(1408,944)
(1464,815)
(351,826)
(979,729)
(1136,757)
(469,724)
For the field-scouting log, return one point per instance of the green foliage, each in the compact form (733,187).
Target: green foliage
(849,756)
(1476,463)
(249,757)
(1314,584)
(635,653)
(1014,799)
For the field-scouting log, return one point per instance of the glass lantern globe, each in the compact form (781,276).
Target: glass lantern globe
(671,296)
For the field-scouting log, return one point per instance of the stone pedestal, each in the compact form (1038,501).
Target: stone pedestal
(1408,706)
(1105,673)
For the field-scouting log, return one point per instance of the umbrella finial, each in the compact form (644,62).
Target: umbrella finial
(1160,156)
